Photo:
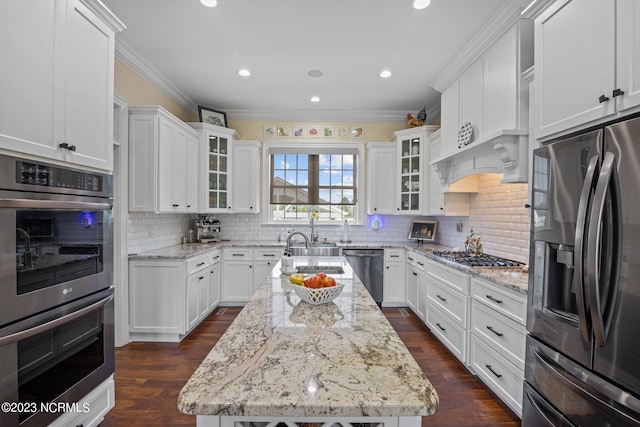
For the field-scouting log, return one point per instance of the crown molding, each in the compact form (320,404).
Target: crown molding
(478,44)
(535,8)
(103,12)
(133,60)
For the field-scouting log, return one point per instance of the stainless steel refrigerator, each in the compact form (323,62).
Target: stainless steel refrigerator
(583,349)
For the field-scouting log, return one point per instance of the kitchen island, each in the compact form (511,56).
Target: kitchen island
(283,360)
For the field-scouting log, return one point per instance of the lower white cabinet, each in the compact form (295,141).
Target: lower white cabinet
(168,297)
(447,300)
(497,340)
(416,284)
(243,270)
(394,278)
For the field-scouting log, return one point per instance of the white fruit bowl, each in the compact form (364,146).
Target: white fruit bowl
(318,295)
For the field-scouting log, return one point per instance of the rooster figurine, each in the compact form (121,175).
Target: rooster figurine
(413,122)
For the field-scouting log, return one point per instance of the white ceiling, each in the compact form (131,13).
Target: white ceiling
(199,51)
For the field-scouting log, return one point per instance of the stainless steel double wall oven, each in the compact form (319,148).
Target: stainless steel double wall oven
(56,293)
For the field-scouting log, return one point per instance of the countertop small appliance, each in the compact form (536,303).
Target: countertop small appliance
(207,229)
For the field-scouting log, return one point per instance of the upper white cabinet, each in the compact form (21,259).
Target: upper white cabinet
(163,155)
(246,177)
(216,166)
(491,96)
(587,57)
(382,177)
(56,80)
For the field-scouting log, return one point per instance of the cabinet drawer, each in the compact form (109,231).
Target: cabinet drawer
(237,254)
(449,276)
(394,254)
(416,260)
(268,254)
(497,373)
(450,334)
(501,333)
(451,302)
(216,256)
(512,305)
(197,263)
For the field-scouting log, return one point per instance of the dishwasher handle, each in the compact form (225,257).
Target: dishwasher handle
(359,255)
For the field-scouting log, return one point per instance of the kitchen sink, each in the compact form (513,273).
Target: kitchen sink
(316,249)
(313,269)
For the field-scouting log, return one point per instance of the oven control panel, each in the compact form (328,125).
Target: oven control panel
(44,175)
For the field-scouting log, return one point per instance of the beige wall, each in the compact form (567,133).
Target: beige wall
(137,91)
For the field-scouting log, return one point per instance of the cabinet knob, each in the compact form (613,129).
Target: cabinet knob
(375,209)
(527,205)
(387,267)
(63,145)
(175,205)
(441,209)
(250,207)
(603,99)
(617,92)
(72,148)
(188,206)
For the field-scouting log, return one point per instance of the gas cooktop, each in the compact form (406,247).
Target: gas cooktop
(469,259)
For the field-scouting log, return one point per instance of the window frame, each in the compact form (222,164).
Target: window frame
(313,147)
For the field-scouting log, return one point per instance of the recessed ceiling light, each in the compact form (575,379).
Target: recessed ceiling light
(315,73)
(421,4)
(244,72)
(209,3)
(385,74)
(315,99)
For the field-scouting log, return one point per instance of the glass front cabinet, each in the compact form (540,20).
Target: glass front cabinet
(413,169)
(217,162)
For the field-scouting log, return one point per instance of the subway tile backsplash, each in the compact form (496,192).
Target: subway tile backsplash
(497,214)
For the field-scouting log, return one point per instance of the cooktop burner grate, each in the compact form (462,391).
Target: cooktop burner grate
(469,259)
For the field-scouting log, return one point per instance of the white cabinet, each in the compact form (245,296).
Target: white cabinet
(448,307)
(382,178)
(497,339)
(56,81)
(169,297)
(416,284)
(162,157)
(215,167)
(237,275)
(587,63)
(394,278)
(244,269)
(246,177)
(411,167)
(491,93)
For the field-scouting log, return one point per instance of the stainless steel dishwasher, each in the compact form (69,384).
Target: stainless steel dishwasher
(368,264)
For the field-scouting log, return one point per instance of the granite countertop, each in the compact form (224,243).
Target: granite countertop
(513,278)
(284,357)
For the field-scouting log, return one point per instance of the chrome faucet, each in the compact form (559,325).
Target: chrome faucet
(306,240)
(28,258)
(314,234)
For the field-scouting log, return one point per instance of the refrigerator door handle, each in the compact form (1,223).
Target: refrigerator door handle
(581,232)
(607,181)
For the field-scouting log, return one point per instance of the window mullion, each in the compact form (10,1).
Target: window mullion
(314,179)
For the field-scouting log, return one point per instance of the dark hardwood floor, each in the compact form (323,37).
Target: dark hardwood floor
(149,377)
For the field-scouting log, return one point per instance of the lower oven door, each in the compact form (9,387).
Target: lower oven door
(55,357)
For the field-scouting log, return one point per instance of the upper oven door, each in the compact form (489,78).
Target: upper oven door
(34,274)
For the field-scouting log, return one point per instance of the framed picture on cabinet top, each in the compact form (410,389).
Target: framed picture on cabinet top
(342,131)
(315,131)
(423,231)
(327,131)
(357,132)
(211,116)
(270,131)
(284,131)
(299,131)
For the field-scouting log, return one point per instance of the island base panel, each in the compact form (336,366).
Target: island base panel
(230,421)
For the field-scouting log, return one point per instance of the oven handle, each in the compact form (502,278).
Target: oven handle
(52,204)
(54,323)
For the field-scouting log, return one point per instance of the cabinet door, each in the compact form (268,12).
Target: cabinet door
(421,295)
(412,287)
(262,269)
(382,180)
(246,178)
(394,283)
(178,170)
(88,87)
(28,37)
(575,64)
(411,176)
(237,281)
(450,110)
(192,173)
(472,99)
(196,297)
(214,285)
(628,54)
(501,84)
(165,163)
(218,177)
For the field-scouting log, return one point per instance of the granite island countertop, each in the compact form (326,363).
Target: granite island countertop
(284,357)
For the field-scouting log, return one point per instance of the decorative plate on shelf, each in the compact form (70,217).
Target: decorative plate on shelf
(465,134)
